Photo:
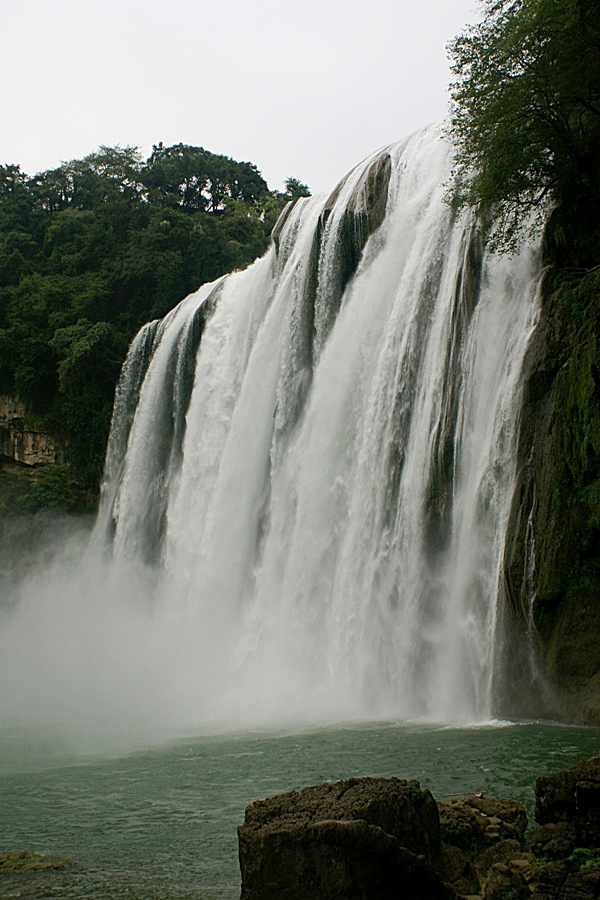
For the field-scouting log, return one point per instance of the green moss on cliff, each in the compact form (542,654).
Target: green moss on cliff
(574,450)
(553,554)
(566,610)
(25,489)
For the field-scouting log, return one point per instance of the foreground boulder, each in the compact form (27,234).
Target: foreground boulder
(380,838)
(572,797)
(567,806)
(361,838)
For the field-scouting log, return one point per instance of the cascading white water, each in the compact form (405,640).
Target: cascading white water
(315,465)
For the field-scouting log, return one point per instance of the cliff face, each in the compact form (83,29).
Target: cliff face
(553,555)
(21,442)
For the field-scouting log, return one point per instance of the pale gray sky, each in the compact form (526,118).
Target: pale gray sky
(305,89)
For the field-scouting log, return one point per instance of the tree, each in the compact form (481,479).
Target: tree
(91,250)
(195,179)
(526,114)
(295,188)
(109,174)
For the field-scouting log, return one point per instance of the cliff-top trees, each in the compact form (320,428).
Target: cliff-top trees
(526,112)
(295,188)
(91,250)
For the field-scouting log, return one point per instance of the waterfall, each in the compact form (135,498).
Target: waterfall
(332,515)
(310,470)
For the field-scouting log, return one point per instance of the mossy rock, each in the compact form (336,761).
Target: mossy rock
(26,861)
(553,547)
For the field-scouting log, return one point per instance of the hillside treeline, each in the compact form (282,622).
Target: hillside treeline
(93,249)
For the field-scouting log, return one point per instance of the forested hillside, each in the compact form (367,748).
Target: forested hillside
(93,249)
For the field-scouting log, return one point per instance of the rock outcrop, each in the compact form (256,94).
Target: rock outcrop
(480,822)
(364,837)
(567,806)
(572,798)
(385,837)
(21,442)
(552,559)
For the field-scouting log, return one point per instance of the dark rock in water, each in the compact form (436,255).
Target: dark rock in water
(30,875)
(364,837)
(574,797)
(26,861)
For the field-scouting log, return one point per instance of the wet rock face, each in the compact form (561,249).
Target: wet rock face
(458,870)
(555,841)
(567,806)
(21,442)
(365,837)
(551,553)
(491,834)
(572,797)
(481,822)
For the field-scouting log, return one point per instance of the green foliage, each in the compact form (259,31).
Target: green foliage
(465,838)
(55,487)
(90,251)
(585,857)
(295,188)
(526,114)
(193,178)
(46,487)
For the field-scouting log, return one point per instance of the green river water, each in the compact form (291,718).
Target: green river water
(160,821)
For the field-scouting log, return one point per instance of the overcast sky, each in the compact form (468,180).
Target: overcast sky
(304,89)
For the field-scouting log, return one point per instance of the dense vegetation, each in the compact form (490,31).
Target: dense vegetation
(93,249)
(526,116)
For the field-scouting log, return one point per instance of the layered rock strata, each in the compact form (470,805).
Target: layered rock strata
(21,442)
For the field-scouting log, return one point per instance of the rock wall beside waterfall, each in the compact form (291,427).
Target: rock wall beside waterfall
(34,473)
(21,441)
(553,549)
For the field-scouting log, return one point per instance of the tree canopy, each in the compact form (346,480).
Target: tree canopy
(526,113)
(296,188)
(91,250)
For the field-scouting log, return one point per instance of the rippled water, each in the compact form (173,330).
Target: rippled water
(160,822)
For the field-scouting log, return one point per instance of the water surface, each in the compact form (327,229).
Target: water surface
(160,821)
